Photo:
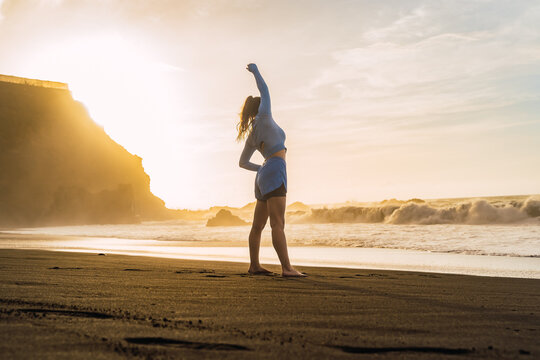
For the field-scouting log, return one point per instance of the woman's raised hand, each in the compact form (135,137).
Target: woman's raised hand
(251,67)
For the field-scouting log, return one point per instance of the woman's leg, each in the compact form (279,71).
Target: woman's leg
(259,221)
(276,211)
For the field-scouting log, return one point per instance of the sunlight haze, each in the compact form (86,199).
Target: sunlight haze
(386,99)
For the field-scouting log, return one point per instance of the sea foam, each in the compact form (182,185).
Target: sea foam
(472,212)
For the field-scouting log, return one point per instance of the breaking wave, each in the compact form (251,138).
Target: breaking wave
(421,213)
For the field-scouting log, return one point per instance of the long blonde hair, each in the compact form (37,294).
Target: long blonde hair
(249,111)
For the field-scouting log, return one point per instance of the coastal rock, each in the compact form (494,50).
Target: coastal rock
(226,218)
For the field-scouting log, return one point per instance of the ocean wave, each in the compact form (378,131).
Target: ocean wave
(420,213)
(521,239)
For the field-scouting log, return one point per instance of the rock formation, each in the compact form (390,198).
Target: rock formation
(57,166)
(225,218)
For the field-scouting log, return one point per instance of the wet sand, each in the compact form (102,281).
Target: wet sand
(75,305)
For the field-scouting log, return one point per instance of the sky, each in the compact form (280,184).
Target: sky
(379,99)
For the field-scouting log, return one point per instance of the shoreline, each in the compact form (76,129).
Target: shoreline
(81,305)
(395,252)
(342,257)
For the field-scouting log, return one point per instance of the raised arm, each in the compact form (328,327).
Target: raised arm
(264,107)
(248,151)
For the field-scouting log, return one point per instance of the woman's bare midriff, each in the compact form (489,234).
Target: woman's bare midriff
(280,153)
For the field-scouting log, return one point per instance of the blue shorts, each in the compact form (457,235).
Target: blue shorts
(271,179)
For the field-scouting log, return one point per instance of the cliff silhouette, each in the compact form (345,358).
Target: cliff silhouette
(58,167)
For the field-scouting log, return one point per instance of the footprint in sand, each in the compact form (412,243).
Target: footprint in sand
(413,349)
(204,271)
(73,313)
(185,344)
(135,270)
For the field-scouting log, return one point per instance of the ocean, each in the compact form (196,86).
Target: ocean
(497,236)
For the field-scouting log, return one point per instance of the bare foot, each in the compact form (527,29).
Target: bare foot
(292,273)
(259,271)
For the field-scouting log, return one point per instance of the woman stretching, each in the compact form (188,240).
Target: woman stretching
(262,133)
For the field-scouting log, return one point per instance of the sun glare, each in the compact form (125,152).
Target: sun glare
(117,79)
(127,89)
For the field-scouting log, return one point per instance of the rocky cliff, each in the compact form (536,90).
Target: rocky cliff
(57,166)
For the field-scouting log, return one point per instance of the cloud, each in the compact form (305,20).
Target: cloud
(435,73)
(408,26)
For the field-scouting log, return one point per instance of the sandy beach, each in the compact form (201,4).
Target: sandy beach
(77,305)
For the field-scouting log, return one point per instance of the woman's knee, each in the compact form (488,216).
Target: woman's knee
(277,223)
(258,226)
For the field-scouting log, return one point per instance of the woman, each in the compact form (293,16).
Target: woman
(262,133)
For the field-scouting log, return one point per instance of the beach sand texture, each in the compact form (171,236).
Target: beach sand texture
(85,306)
